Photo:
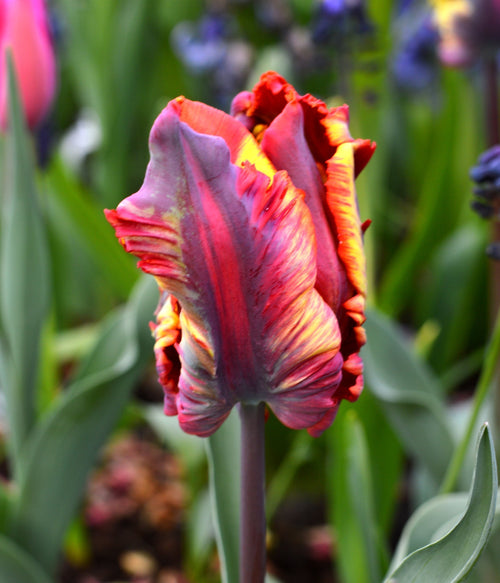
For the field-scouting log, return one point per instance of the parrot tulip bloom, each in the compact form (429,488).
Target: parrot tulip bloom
(24,31)
(250,226)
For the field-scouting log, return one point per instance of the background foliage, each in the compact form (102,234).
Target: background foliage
(76,366)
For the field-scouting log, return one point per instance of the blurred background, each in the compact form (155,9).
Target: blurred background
(145,516)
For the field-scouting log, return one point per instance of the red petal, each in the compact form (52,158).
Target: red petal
(324,128)
(167,333)
(285,144)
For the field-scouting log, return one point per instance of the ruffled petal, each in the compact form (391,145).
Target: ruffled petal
(285,144)
(342,204)
(167,334)
(313,143)
(238,253)
(324,129)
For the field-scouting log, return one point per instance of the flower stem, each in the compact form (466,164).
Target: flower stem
(485,381)
(492,129)
(253,520)
(490,69)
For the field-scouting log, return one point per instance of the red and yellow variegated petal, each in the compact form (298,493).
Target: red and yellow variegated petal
(239,256)
(167,334)
(341,201)
(208,120)
(324,129)
(266,101)
(285,144)
(296,333)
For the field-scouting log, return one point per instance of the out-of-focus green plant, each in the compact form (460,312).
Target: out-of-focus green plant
(51,452)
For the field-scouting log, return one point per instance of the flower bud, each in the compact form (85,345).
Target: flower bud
(24,32)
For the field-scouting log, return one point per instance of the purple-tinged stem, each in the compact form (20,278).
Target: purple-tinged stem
(253,518)
(490,67)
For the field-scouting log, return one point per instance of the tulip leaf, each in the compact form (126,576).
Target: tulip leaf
(18,566)
(224,455)
(352,505)
(88,223)
(451,557)
(443,184)
(24,277)
(65,444)
(408,394)
(459,267)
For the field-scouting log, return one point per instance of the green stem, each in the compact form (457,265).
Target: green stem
(253,519)
(485,380)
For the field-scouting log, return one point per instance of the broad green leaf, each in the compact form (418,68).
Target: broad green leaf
(24,277)
(87,221)
(408,394)
(452,557)
(224,454)
(64,446)
(16,566)
(385,456)
(352,503)
(200,535)
(453,295)
(435,518)
(420,529)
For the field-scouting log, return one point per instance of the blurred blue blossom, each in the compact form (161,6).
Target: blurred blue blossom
(340,17)
(486,175)
(209,48)
(415,64)
(201,46)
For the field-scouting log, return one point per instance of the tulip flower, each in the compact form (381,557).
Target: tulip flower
(250,226)
(24,31)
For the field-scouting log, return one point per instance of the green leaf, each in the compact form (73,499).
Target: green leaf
(408,394)
(199,534)
(451,557)
(87,221)
(298,453)
(452,297)
(65,444)
(224,454)
(24,277)
(440,179)
(352,503)
(16,566)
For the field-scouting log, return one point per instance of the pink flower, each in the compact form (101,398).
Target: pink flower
(24,31)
